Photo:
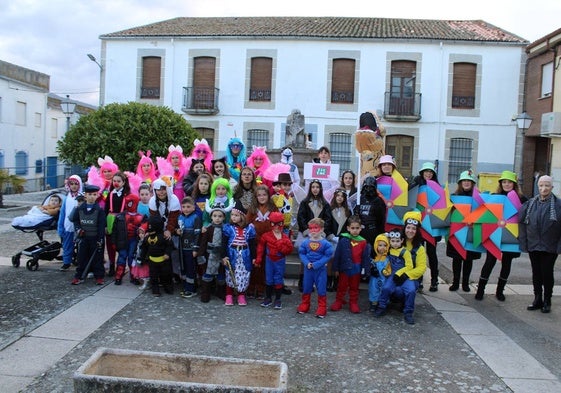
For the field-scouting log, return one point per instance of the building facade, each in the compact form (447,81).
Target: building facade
(445,90)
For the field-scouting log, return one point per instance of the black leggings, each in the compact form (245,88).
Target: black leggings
(542,272)
(491,260)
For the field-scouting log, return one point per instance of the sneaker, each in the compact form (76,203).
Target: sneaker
(118,281)
(266,303)
(373,306)
(241,300)
(278,305)
(380,312)
(229,300)
(408,318)
(286,291)
(76,281)
(433,287)
(99,281)
(64,268)
(90,275)
(187,294)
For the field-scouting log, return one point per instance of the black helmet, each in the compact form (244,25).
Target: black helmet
(155,224)
(370,181)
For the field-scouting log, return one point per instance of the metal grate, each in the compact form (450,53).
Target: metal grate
(341,145)
(461,151)
(257,138)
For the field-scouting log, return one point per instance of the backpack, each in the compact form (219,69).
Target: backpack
(119,233)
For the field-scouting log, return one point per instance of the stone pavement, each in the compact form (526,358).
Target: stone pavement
(49,328)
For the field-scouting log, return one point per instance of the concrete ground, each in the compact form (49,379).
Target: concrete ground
(49,328)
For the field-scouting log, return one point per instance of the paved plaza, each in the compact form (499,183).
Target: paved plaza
(49,328)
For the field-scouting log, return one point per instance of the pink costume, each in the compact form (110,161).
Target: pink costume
(146,176)
(178,168)
(259,162)
(96,177)
(201,151)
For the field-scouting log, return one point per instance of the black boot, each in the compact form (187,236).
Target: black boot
(500,288)
(205,291)
(456,270)
(537,303)
(468,263)
(481,288)
(300,282)
(433,284)
(546,309)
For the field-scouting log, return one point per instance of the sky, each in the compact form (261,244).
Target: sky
(54,37)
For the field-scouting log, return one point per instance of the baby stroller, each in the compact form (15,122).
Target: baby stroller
(44,249)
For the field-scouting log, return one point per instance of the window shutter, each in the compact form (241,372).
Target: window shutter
(261,77)
(151,72)
(343,81)
(463,90)
(203,82)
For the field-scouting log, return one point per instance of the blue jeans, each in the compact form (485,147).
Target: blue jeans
(126,256)
(406,291)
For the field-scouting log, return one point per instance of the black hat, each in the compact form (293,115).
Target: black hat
(155,224)
(91,188)
(284,178)
(239,208)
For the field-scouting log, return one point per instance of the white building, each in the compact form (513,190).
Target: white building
(31,123)
(447,90)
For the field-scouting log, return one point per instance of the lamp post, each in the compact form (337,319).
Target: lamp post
(92,58)
(523,122)
(67,108)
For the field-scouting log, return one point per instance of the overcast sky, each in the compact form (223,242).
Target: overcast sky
(54,37)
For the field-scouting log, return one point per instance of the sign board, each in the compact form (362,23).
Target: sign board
(314,170)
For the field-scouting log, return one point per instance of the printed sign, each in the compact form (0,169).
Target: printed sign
(313,170)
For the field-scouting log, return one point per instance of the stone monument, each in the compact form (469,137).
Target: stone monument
(295,134)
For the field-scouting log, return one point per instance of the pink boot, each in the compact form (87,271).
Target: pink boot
(241,300)
(229,300)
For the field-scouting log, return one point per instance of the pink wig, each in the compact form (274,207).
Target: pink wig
(201,151)
(259,151)
(107,163)
(177,151)
(145,159)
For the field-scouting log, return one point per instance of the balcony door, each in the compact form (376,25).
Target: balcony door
(204,72)
(402,90)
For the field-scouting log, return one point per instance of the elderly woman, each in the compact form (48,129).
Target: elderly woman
(540,237)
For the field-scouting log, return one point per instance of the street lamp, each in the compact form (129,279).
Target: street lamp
(523,121)
(67,108)
(92,58)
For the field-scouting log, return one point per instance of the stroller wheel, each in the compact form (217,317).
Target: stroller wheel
(16,260)
(32,264)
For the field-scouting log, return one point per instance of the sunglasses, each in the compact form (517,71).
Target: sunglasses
(235,146)
(412,221)
(201,151)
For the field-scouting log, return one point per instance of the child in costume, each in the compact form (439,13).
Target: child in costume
(220,197)
(350,261)
(89,223)
(103,177)
(273,248)
(340,212)
(125,243)
(314,253)
(201,151)
(380,270)
(236,157)
(259,162)
(189,230)
(238,254)
(115,204)
(209,259)
(176,168)
(65,228)
(141,270)
(156,250)
(282,198)
(201,192)
(197,167)
(220,169)
(371,210)
(287,157)
(146,170)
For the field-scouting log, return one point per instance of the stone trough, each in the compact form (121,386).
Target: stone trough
(124,371)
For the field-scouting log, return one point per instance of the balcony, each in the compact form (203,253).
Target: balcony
(200,100)
(399,108)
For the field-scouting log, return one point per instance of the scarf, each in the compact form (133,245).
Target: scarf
(532,205)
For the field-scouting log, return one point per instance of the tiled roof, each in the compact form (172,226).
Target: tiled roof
(323,27)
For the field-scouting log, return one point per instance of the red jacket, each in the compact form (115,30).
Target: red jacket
(275,249)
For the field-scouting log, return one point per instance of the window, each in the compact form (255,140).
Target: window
(261,79)
(461,152)
(402,89)
(340,145)
(1,159)
(151,73)
(21,110)
(547,80)
(343,81)
(208,134)
(37,119)
(257,138)
(54,128)
(204,71)
(400,147)
(21,163)
(463,89)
